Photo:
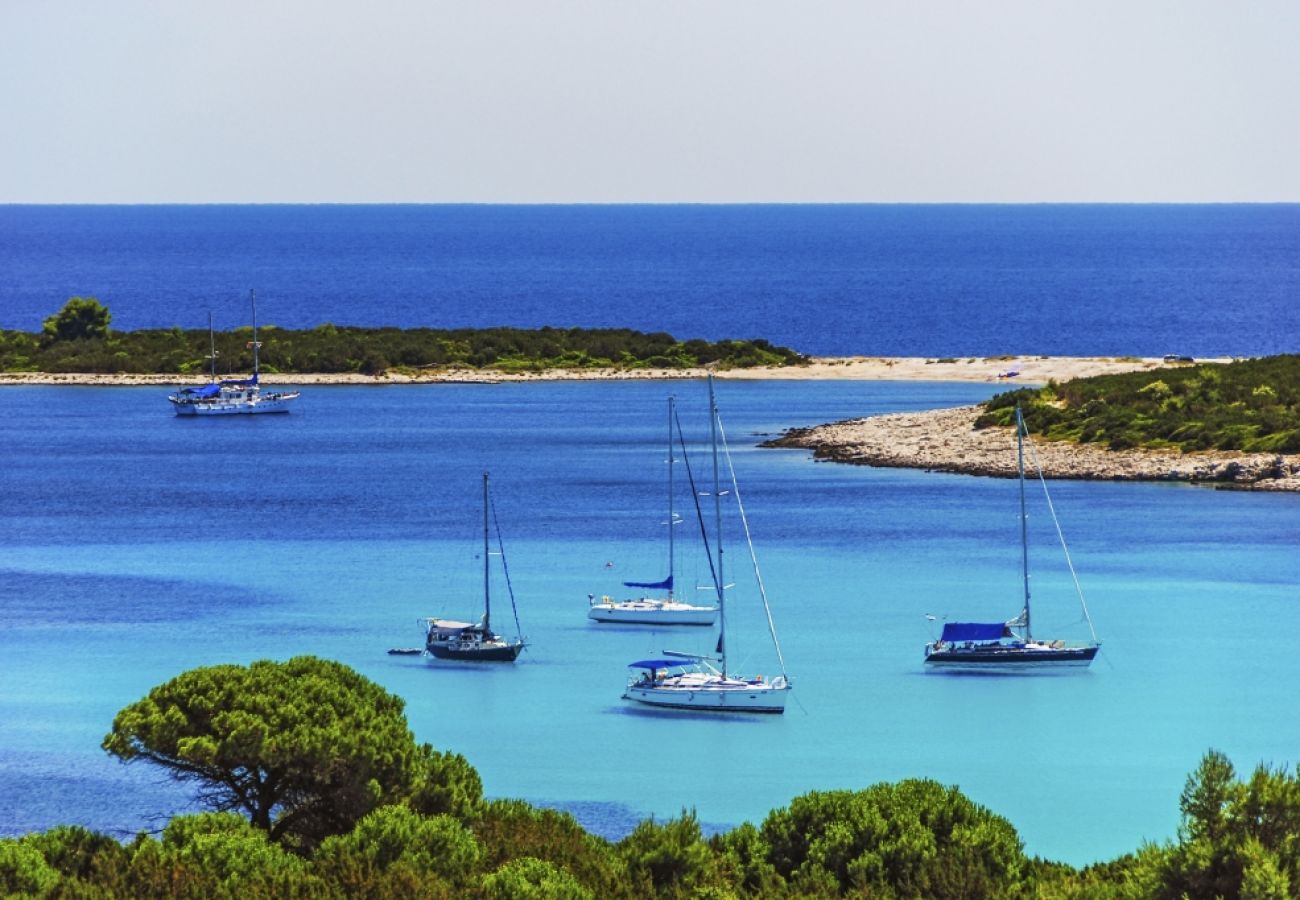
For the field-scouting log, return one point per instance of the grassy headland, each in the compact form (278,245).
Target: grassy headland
(1252,406)
(1230,424)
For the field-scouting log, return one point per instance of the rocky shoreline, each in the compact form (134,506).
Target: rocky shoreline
(945,440)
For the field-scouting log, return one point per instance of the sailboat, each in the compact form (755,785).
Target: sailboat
(470,642)
(662,610)
(695,681)
(1011,646)
(232,397)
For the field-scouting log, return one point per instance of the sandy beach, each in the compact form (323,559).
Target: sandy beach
(1026,369)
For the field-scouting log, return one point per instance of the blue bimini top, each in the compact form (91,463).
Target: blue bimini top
(975,631)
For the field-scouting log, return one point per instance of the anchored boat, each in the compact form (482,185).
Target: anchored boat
(693,681)
(655,610)
(232,396)
(1011,646)
(476,641)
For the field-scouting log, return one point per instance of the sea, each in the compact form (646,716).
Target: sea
(922,280)
(135,545)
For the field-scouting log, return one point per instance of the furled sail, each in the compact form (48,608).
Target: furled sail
(665,585)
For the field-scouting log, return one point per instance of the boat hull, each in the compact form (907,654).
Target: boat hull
(1010,659)
(497,652)
(732,696)
(245,408)
(651,613)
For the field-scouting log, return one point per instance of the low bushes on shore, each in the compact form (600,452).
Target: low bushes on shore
(1251,406)
(78,339)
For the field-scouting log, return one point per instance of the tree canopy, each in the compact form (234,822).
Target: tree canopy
(82,318)
(304,748)
(380,817)
(77,339)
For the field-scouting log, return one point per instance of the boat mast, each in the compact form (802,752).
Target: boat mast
(717,528)
(212,346)
(487,600)
(252,298)
(1024,518)
(671,515)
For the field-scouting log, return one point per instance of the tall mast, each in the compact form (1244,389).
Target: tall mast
(212,346)
(671,566)
(717,528)
(487,600)
(1024,518)
(252,298)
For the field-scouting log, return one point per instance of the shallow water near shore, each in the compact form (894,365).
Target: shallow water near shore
(138,545)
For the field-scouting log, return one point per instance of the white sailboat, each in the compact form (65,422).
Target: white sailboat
(655,610)
(232,396)
(1011,646)
(475,642)
(692,681)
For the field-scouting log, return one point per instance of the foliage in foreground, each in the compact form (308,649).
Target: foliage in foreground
(77,339)
(914,838)
(426,832)
(1251,406)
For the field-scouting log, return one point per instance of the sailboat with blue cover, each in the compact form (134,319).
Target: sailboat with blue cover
(1011,646)
(664,609)
(242,396)
(706,682)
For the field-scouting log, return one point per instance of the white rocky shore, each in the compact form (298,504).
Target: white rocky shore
(945,440)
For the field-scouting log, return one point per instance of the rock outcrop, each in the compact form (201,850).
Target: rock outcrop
(945,440)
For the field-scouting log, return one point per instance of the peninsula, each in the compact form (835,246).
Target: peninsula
(1232,425)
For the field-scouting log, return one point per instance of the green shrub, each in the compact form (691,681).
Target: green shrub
(1249,406)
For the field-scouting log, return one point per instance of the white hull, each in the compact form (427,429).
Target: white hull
(712,693)
(279,403)
(652,612)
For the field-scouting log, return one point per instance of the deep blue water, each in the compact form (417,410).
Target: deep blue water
(942,280)
(137,545)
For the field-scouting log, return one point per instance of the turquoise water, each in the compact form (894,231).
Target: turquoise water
(137,545)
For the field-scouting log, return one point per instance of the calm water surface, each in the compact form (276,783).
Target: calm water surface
(892,280)
(138,545)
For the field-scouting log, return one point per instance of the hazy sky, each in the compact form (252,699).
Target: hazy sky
(648,100)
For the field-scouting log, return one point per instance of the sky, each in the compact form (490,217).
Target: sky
(655,101)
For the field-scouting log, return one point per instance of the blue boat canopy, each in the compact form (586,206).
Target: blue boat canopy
(202,393)
(241,382)
(657,663)
(665,585)
(975,631)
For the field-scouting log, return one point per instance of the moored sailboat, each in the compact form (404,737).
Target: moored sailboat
(655,610)
(692,681)
(469,641)
(1011,646)
(243,396)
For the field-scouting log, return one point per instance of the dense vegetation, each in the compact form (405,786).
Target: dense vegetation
(352,807)
(1251,406)
(78,339)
